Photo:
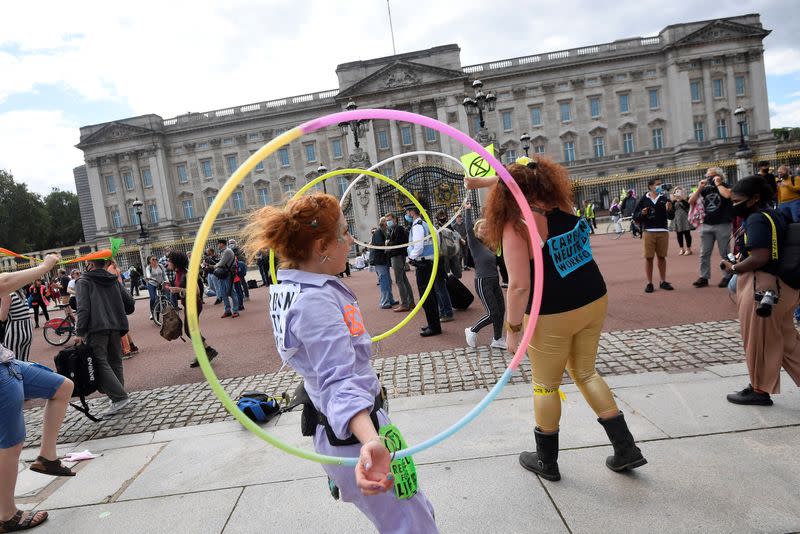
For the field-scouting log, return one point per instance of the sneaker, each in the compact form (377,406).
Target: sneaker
(218,301)
(235,315)
(499,344)
(472,337)
(127,355)
(445,318)
(649,288)
(226,314)
(504,285)
(724,281)
(666,286)
(151,316)
(750,396)
(700,282)
(116,407)
(134,349)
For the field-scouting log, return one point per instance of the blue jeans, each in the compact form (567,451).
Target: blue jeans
(385,282)
(238,291)
(21,381)
(213,283)
(442,296)
(791,209)
(227,294)
(151,290)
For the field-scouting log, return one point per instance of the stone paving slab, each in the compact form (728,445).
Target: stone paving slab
(742,482)
(693,408)
(193,513)
(99,480)
(671,349)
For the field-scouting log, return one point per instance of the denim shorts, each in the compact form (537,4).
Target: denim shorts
(20,381)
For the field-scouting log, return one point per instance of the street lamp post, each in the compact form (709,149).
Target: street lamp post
(480,103)
(322,169)
(358,127)
(137,204)
(741,118)
(525,139)
(143,236)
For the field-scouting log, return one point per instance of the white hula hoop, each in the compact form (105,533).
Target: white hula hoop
(390,159)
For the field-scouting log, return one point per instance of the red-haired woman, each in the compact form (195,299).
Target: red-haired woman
(319,331)
(574,303)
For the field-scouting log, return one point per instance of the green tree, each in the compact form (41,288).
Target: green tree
(24,221)
(65,218)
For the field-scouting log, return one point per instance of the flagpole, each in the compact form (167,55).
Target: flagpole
(391,27)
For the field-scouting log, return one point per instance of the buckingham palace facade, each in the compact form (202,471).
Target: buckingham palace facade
(633,104)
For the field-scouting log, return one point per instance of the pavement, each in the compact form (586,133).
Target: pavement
(713,467)
(247,348)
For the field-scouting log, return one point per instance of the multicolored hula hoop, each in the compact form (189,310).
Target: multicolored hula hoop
(286,138)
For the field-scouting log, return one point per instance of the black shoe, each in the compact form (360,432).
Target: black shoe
(725,281)
(217,301)
(626,454)
(543,462)
(428,332)
(750,396)
(666,286)
(700,282)
(649,288)
(211,352)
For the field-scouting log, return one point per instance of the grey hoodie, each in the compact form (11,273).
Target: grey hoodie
(103,304)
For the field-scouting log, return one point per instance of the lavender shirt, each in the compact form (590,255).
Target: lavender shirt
(320,333)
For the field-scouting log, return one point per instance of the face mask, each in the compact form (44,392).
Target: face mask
(408,218)
(442,221)
(741,209)
(659,190)
(390,223)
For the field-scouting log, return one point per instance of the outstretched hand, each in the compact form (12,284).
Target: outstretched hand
(372,470)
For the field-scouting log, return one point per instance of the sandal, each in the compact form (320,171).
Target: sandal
(23,521)
(51,467)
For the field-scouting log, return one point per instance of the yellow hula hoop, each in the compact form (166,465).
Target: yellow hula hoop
(422,212)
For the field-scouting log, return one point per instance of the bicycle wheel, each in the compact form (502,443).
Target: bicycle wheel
(57,332)
(157,310)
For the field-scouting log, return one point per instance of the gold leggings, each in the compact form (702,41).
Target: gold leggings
(568,340)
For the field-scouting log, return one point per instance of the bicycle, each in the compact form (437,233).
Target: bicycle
(615,227)
(59,330)
(161,304)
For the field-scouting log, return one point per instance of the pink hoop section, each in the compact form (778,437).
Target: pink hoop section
(527,214)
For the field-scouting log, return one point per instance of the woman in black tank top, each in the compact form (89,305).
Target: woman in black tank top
(573,308)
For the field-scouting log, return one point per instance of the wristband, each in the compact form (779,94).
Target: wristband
(512,327)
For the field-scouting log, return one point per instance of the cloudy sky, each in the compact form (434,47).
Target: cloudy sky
(63,65)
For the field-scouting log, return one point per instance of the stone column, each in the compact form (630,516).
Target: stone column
(759,113)
(744,163)
(708,102)
(441,116)
(419,138)
(97,192)
(162,185)
(679,105)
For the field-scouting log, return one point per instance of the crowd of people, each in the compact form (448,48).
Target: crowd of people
(320,332)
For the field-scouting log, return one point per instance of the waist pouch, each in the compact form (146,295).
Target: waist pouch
(310,417)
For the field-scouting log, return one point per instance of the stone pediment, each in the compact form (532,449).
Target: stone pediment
(721,30)
(113,132)
(261,182)
(210,189)
(598,130)
(400,74)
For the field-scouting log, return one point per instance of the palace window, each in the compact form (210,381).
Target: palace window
(569,151)
(283,157)
(658,138)
(336,148)
(188,209)
(147,177)
(594,107)
(599,144)
(183,176)
(627,143)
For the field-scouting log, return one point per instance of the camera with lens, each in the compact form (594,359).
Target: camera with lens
(731,259)
(766,300)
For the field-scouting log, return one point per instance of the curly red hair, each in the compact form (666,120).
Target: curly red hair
(292,230)
(547,185)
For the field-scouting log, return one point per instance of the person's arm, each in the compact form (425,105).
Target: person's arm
(475,182)
(670,210)
(639,209)
(5,305)
(697,192)
(83,307)
(12,281)
(724,190)
(417,233)
(759,234)
(516,253)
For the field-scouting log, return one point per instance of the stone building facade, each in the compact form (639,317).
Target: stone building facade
(633,104)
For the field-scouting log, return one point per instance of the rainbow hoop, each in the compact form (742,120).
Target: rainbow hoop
(422,212)
(286,138)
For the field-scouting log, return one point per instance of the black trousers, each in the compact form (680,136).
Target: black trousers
(488,290)
(687,235)
(424,268)
(501,265)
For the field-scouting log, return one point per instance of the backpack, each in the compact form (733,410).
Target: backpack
(448,243)
(258,406)
(789,255)
(77,363)
(171,324)
(697,214)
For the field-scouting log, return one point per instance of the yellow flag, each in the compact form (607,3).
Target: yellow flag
(476,165)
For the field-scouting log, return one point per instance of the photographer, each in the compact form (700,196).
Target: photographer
(716,196)
(770,339)
(653,211)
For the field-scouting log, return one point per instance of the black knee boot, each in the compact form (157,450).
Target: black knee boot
(543,462)
(626,454)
